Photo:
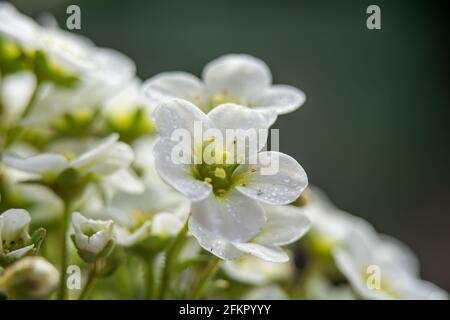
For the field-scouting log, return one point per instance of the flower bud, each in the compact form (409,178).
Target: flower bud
(92,238)
(29,278)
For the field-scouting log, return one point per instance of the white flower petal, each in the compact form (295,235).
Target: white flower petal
(237,75)
(285,225)
(416,289)
(231,216)
(211,242)
(13,221)
(179,176)
(127,239)
(233,116)
(127,181)
(395,251)
(112,67)
(107,157)
(98,241)
(16,25)
(178,114)
(77,220)
(168,85)
(252,270)
(268,253)
(281,186)
(95,152)
(280,98)
(19,253)
(41,163)
(166,224)
(354,272)
(17,89)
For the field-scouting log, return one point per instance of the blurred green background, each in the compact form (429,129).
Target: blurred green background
(374,132)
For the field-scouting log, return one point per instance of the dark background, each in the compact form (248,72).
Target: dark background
(374,130)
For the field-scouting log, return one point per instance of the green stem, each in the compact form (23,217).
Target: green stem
(150,273)
(32,100)
(203,277)
(89,282)
(171,258)
(64,226)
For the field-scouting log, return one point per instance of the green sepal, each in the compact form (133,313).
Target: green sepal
(37,238)
(46,71)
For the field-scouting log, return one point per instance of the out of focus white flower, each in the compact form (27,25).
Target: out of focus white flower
(29,278)
(61,57)
(126,100)
(378,268)
(109,158)
(232,78)
(15,241)
(319,287)
(330,226)
(155,212)
(251,270)
(92,238)
(226,195)
(128,112)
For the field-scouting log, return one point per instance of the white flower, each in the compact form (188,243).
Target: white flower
(251,270)
(109,158)
(99,71)
(330,225)
(235,78)
(381,268)
(155,212)
(67,50)
(29,278)
(226,197)
(92,238)
(126,100)
(15,241)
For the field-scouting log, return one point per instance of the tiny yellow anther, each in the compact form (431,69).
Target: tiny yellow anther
(220,173)
(208,180)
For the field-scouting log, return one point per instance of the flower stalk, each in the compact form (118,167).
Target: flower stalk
(203,277)
(89,282)
(171,258)
(64,226)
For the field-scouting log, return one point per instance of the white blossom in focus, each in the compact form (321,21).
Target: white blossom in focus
(227,198)
(232,78)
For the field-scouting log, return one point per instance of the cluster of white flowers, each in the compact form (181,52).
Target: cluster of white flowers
(87,156)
